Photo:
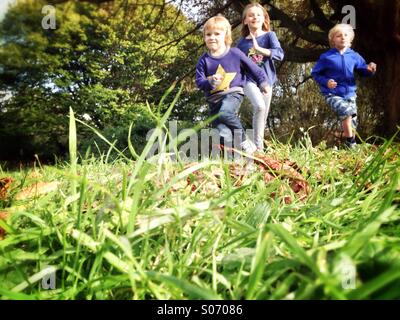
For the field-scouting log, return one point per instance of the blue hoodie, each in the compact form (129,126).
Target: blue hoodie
(339,67)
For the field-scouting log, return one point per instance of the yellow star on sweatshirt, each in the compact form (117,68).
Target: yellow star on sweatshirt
(227,78)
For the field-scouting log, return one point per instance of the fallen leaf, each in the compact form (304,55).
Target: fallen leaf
(37,189)
(5,184)
(3,215)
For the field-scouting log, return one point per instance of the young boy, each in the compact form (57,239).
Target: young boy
(334,72)
(220,74)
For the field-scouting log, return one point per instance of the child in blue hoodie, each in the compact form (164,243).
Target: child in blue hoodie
(220,73)
(334,73)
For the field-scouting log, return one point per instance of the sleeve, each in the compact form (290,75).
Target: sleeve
(275,47)
(243,46)
(239,45)
(250,67)
(201,78)
(361,67)
(318,73)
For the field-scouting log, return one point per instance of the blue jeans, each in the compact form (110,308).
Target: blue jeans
(228,121)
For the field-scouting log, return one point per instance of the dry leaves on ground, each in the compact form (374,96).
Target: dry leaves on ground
(285,169)
(271,168)
(37,189)
(5,184)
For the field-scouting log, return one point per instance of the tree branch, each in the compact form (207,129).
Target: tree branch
(309,77)
(91,1)
(297,29)
(302,55)
(197,27)
(320,18)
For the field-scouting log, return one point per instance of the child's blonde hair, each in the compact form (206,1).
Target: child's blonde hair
(220,23)
(267,22)
(341,27)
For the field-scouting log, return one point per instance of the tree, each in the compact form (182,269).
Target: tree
(100,60)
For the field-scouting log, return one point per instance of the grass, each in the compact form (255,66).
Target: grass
(138,230)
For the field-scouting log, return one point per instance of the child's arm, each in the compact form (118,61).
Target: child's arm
(363,68)
(202,82)
(318,73)
(254,70)
(275,51)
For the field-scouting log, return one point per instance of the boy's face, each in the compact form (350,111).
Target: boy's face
(341,40)
(215,39)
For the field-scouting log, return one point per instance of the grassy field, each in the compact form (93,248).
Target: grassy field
(98,229)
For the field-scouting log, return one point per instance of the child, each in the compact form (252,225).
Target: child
(334,72)
(263,47)
(220,74)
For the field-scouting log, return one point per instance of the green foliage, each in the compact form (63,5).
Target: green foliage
(137,230)
(137,116)
(103,61)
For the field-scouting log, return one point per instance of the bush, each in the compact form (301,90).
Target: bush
(117,132)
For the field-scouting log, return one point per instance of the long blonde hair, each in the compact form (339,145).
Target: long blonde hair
(267,22)
(221,23)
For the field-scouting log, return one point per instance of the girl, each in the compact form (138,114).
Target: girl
(262,46)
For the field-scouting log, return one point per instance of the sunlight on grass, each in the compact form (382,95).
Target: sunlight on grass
(138,229)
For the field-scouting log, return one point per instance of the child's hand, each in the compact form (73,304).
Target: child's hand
(263,51)
(255,43)
(332,84)
(265,90)
(216,79)
(371,67)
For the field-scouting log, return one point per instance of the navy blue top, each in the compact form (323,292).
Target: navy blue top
(233,62)
(339,67)
(269,41)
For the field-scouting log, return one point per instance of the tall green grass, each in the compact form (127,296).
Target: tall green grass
(134,229)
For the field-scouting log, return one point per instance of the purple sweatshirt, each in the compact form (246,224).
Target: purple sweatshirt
(267,40)
(236,64)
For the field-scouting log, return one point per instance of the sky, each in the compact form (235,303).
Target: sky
(4,6)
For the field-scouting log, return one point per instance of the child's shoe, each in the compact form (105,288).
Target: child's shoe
(351,143)
(248,146)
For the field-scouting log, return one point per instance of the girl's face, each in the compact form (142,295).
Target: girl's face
(215,40)
(254,18)
(341,40)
